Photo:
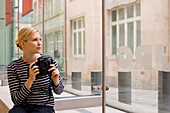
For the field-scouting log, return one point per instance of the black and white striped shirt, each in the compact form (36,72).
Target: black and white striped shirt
(41,91)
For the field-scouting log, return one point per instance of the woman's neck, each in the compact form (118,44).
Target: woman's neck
(30,58)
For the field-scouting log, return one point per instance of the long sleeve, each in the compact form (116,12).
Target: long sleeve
(60,88)
(18,92)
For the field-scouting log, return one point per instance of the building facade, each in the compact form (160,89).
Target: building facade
(137,46)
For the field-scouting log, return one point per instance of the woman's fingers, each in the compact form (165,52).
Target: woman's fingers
(52,67)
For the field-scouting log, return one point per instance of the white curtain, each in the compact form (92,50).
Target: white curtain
(113,3)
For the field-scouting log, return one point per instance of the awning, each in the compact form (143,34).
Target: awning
(113,3)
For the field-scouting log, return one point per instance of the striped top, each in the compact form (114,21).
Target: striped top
(41,91)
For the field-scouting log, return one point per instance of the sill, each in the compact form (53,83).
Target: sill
(78,56)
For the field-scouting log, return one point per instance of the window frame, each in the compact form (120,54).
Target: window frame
(77,30)
(125,21)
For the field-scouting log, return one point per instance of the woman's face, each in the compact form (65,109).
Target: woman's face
(33,44)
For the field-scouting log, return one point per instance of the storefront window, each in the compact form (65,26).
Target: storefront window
(136,52)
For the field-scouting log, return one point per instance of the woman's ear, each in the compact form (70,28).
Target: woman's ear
(22,43)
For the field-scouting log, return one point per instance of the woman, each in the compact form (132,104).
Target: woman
(29,93)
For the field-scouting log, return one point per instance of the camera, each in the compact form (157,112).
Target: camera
(44,64)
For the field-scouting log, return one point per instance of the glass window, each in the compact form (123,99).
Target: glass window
(121,13)
(59,41)
(130,11)
(79,43)
(138,33)
(130,35)
(78,36)
(114,15)
(114,39)
(138,10)
(121,35)
(139,78)
(128,28)
(75,43)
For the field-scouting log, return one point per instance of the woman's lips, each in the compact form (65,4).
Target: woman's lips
(38,47)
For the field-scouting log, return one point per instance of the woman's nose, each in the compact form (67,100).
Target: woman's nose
(39,42)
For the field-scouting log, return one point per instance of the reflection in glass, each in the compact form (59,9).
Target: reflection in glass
(114,15)
(74,24)
(80,43)
(138,33)
(121,13)
(78,30)
(130,12)
(83,41)
(138,10)
(130,36)
(121,35)
(79,24)
(114,39)
(75,44)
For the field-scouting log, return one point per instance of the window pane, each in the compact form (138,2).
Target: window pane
(83,42)
(130,36)
(130,11)
(75,44)
(79,43)
(121,13)
(79,24)
(74,24)
(83,22)
(114,40)
(138,33)
(121,35)
(114,15)
(138,9)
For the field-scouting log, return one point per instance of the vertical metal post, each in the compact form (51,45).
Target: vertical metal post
(65,26)
(5,46)
(43,27)
(18,25)
(5,52)
(103,58)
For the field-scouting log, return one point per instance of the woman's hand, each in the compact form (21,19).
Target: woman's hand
(33,71)
(55,74)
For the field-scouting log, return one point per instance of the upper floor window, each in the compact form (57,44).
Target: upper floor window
(126,27)
(78,36)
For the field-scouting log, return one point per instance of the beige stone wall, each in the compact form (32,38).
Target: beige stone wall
(90,10)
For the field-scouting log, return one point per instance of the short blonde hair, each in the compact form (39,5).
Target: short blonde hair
(25,34)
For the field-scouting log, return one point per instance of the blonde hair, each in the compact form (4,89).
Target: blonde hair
(25,34)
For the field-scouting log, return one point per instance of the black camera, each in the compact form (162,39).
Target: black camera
(44,64)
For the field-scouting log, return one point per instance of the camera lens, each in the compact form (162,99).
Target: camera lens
(44,65)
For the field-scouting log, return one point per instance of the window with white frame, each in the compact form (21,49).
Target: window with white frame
(78,37)
(59,41)
(50,44)
(126,27)
(40,10)
(50,8)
